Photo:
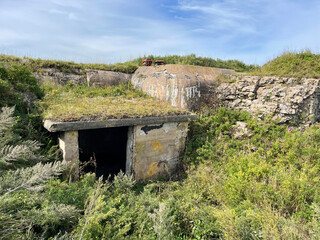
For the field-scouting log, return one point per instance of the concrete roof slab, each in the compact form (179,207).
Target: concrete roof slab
(53,126)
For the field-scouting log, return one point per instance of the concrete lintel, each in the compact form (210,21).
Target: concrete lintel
(75,126)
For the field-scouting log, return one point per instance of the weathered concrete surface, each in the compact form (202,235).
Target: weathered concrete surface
(74,126)
(56,76)
(106,78)
(288,99)
(90,76)
(130,150)
(181,85)
(152,150)
(154,145)
(158,149)
(68,143)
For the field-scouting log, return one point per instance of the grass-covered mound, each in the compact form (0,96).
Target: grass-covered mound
(64,66)
(192,59)
(85,103)
(304,64)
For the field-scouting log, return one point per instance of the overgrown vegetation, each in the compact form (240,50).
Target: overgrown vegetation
(260,185)
(304,64)
(64,66)
(126,67)
(23,173)
(19,88)
(76,103)
(192,59)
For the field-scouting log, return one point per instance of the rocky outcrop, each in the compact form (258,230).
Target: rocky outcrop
(288,99)
(181,85)
(90,76)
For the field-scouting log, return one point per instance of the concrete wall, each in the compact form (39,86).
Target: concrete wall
(158,149)
(106,78)
(181,85)
(152,150)
(68,143)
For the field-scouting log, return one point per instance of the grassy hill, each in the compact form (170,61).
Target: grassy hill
(304,64)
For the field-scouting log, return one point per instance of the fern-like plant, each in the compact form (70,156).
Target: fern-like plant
(15,153)
(23,172)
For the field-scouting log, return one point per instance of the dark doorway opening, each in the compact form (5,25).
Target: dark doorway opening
(107,147)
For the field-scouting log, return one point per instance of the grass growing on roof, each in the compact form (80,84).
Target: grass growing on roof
(86,103)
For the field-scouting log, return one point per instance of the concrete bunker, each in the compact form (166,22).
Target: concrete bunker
(146,148)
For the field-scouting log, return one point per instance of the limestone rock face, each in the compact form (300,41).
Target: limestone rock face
(289,99)
(181,85)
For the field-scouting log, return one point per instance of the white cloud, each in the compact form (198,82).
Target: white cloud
(69,3)
(114,30)
(69,15)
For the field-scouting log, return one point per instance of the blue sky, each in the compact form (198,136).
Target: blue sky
(108,31)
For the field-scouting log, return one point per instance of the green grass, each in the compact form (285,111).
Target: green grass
(84,103)
(304,64)
(265,186)
(126,67)
(192,59)
(64,66)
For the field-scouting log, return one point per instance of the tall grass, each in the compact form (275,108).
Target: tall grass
(303,64)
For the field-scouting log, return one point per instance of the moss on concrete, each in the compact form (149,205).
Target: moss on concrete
(86,103)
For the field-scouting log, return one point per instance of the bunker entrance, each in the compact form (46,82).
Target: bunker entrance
(106,147)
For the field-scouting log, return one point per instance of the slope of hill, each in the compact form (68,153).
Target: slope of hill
(301,65)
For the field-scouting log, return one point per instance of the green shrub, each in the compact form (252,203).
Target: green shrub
(74,193)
